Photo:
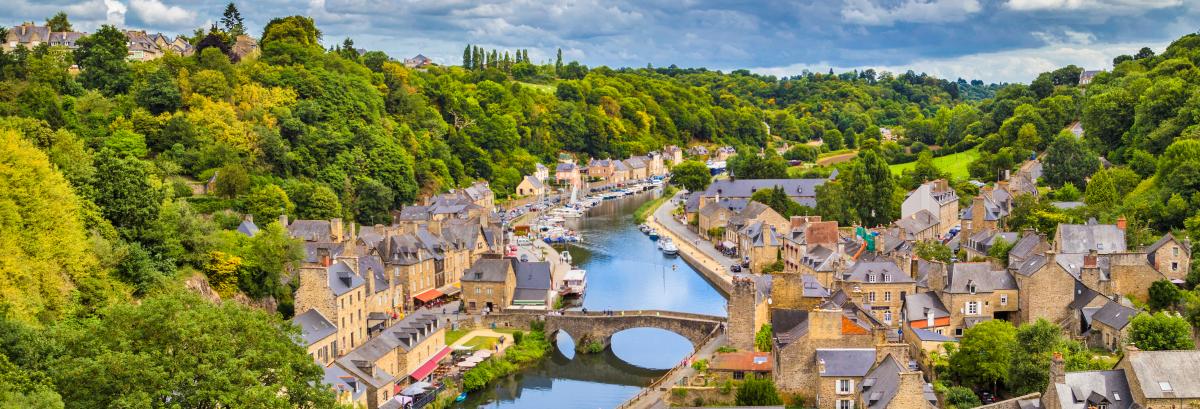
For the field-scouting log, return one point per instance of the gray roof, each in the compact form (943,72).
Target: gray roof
(1079,238)
(918,307)
(788,325)
(1024,248)
(531,294)
(761,234)
(819,258)
(1177,368)
(564,167)
(371,267)
(1084,389)
(1066,205)
(803,191)
(961,276)
(414,213)
(885,271)
(692,204)
(812,287)
(733,205)
(533,275)
(1032,265)
(405,334)
(342,278)
(1167,238)
(247,228)
(1115,315)
(1073,263)
(489,270)
(340,380)
(846,361)
(927,335)
(1083,296)
(314,250)
(881,384)
(311,230)
(534,182)
(917,222)
(314,326)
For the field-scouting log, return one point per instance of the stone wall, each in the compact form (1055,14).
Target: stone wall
(741,309)
(596,327)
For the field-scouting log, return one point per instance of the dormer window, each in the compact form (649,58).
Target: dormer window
(870,277)
(887,278)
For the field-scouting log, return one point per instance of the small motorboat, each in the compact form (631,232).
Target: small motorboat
(644,228)
(668,247)
(653,234)
(461,397)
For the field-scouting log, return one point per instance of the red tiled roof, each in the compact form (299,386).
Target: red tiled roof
(742,361)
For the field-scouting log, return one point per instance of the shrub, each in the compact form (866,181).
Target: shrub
(758,392)
(961,398)
(700,365)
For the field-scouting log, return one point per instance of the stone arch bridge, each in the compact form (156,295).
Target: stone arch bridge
(600,326)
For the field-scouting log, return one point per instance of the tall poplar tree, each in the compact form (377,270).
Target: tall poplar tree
(467,57)
(558,64)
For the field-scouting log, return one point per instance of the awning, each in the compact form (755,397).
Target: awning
(428,295)
(450,289)
(428,367)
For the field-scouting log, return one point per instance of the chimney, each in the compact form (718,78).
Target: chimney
(820,365)
(283,221)
(1090,260)
(336,229)
(1121,222)
(797,221)
(1058,370)
(825,323)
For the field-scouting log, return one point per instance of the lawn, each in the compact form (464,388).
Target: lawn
(547,88)
(455,335)
(954,164)
(481,342)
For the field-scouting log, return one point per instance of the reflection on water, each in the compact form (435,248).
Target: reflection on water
(626,271)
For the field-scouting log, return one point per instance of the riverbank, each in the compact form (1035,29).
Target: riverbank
(713,269)
(648,208)
(525,349)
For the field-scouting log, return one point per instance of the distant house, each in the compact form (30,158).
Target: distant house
(673,154)
(936,198)
(488,285)
(534,286)
(802,191)
(317,335)
(567,174)
(247,227)
(541,172)
(141,46)
(30,35)
(245,46)
(418,61)
(1086,77)
(737,365)
(531,186)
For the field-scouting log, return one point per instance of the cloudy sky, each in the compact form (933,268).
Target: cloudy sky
(992,40)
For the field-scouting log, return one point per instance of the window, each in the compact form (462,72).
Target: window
(1165,386)
(1174,266)
(971,288)
(958,332)
(844,386)
(887,278)
(870,278)
(871,296)
(973,308)
(1175,251)
(489,291)
(887,295)
(1003,299)
(887,317)
(471,305)
(938,331)
(739,375)
(845,404)
(478,290)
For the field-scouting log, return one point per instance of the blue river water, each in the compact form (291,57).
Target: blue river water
(625,271)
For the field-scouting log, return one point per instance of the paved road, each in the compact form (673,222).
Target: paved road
(656,398)
(663,216)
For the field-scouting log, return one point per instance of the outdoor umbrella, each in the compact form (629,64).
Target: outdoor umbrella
(416,388)
(466,364)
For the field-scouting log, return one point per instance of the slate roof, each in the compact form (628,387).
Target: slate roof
(565,167)
(534,182)
(1167,238)
(1073,263)
(1177,368)
(885,271)
(812,288)
(371,268)
(1079,238)
(1032,265)
(918,307)
(405,335)
(339,380)
(1084,389)
(635,162)
(803,191)
(917,222)
(692,204)
(247,228)
(927,335)
(880,385)
(488,270)
(343,279)
(414,213)
(789,325)
(761,235)
(1024,248)
(311,230)
(733,205)
(819,258)
(750,211)
(534,275)
(843,362)
(961,276)
(1115,315)
(1083,296)
(1067,205)
(314,250)
(313,326)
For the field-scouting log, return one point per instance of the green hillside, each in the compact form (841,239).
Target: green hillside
(954,164)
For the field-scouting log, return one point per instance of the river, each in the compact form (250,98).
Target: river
(626,271)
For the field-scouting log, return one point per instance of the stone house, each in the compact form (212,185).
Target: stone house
(923,344)
(1162,379)
(1108,326)
(407,351)
(973,293)
(748,309)
(799,333)
(339,293)
(1084,390)
(1097,255)
(384,300)
(1171,257)
(27,34)
(752,213)
(841,371)
(919,226)
(717,214)
(600,169)
(412,265)
(488,285)
(723,153)
(739,365)
(893,384)
(879,286)
(567,174)
(980,243)
(418,61)
(347,389)
(318,335)
(1030,244)
(530,186)
(654,164)
(938,199)
(673,154)
(534,285)
(988,210)
(141,46)
(1046,290)
(541,172)
(760,243)
(802,191)
(926,312)
(638,169)
(797,291)
(620,173)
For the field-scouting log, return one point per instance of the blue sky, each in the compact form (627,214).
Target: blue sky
(992,40)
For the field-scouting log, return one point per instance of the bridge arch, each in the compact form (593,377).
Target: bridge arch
(593,331)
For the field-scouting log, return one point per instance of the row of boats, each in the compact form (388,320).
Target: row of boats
(665,244)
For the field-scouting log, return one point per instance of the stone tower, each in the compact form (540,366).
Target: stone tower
(742,303)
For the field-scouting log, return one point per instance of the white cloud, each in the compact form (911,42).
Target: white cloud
(867,12)
(155,12)
(1004,66)
(114,12)
(1111,6)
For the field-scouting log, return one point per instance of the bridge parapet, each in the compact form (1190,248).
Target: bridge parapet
(598,327)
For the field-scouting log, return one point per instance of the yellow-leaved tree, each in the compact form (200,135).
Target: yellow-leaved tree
(47,267)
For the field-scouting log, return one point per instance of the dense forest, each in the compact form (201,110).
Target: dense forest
(98,170)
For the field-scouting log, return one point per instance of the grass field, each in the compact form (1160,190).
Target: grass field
(478,343)
(954,164)
(550,89)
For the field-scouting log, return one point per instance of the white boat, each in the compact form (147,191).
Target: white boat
(567,212)
(574,283)
(668,246)
(653,234)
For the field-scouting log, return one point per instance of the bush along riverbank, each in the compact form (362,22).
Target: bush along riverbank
(639,215)
(528,348)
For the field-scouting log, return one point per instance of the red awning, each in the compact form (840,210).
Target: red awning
(429,295)
(430,365)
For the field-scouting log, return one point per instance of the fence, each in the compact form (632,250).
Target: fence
(660,381)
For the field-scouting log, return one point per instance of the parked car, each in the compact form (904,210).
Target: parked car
(735,268)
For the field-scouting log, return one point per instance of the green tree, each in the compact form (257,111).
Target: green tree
(232,21)
(159,93)
(101,57)
(124,193)
(749,165)
(1108,115)
(315,201)
(182,349)
(373,200)
(232,180)
(959,397)
(1000,249)
(268,203)
(756,391)
(558,64)
(59,22)
(984,354)
(1179,167)
(1068,160)
(869,181)
(933,250)
(1160,331)
(1028,369)
(1068,192)
(1027,138)
(1102,192)
(691,175)
(1164,295)
(778,200)
(762,339)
